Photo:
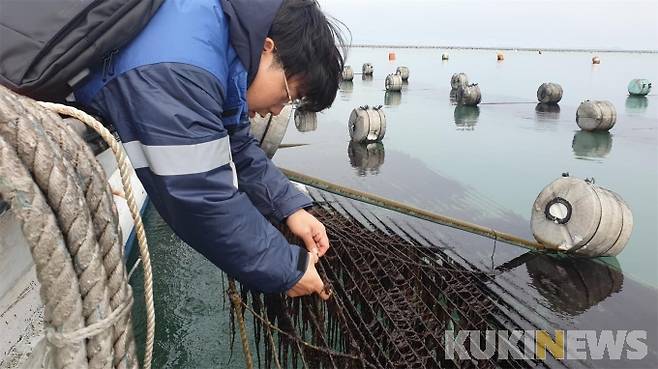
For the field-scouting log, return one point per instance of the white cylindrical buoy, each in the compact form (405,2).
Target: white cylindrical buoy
(367,124)
(366,158)
(453,95)
(306,121)
(469,95)
(500,56)
(269,130)
(348,73)
(577,216)
(639,87)
(626,228)
(393,82)
(444,56)
(549,93)
(596,115)
(367,69)
(458,79)
(403,72)
(596,60)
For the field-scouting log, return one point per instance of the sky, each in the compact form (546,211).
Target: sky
(574,24)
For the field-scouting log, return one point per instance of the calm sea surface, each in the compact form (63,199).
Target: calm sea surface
(488,164)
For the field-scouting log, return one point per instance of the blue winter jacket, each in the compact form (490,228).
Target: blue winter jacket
(177,97)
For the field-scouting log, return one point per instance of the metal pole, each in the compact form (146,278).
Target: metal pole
(412,211)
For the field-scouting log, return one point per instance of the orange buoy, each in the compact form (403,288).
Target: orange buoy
(391,56)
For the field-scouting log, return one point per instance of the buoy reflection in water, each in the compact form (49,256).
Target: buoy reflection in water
(592,144)
(545,112)
(466,117)
(574,285)
(366,158)
(346,86)
(636,104)
(392,98)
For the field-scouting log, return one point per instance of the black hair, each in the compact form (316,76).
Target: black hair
(307,46)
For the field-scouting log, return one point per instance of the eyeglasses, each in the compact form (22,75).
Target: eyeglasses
(293,103)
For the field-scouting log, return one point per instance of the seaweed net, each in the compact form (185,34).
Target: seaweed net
(392,302)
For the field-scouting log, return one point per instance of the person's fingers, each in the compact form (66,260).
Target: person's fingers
(319,287)
(309,241)
(323,243)
(324,292)
(305,285)
(293,293)
(315,257)
(310,281)
(321,239)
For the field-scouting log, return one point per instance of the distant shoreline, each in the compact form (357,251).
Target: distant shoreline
(373,46)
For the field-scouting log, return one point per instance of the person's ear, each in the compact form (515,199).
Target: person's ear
(268,45)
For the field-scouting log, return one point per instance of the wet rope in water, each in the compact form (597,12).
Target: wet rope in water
(237,307)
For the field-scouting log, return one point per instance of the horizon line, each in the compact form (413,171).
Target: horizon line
(383,46)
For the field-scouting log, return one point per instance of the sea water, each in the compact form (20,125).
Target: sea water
(487,165)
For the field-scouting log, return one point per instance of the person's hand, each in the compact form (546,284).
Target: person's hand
(310,230)
(310,282)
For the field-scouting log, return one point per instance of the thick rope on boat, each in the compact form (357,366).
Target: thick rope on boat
(76,189)
(67,338)
(56,178)
(54,265)
(105,219)
(125,171)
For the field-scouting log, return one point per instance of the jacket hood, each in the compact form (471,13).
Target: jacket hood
(249,24)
